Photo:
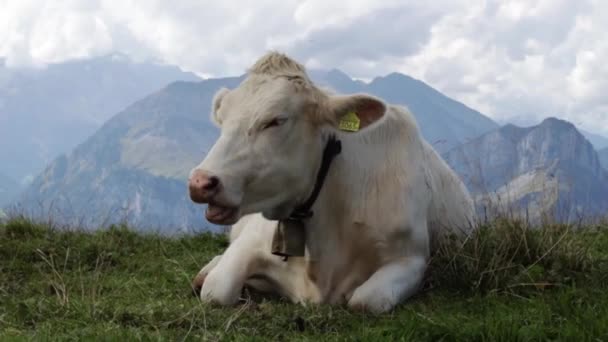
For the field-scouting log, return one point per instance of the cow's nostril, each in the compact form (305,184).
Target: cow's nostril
(212,183)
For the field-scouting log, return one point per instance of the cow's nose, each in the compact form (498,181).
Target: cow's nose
(203,186)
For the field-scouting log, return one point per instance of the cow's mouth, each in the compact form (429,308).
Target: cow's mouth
(221,214)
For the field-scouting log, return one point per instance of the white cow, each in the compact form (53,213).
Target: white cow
(386,194)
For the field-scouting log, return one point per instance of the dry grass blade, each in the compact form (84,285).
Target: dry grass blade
(237,314)
(505,254)
(56,281)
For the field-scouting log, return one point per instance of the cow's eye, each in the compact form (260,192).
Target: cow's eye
(274,123)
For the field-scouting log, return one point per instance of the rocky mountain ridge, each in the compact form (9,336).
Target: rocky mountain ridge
(548,169)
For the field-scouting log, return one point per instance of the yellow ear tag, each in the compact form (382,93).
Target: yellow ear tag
(349,122)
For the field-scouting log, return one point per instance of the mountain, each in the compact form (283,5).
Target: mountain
(598,141)
(444,122)
(545,169)
(135,166)
(603,154)
(46,112)
(9,188)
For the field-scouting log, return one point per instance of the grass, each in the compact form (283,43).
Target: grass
(507,283)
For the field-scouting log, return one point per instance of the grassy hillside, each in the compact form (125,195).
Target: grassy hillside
(507,283)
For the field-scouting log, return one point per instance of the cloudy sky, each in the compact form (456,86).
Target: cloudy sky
(514,60)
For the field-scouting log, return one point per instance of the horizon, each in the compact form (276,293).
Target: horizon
(111,55)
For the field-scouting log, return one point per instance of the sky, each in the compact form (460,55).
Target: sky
(516,61)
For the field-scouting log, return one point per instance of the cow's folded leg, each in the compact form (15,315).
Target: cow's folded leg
(389,285)
(199,280)
(224,283)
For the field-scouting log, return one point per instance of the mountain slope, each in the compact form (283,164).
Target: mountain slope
(46,112)
(549,168)
(444,122)
(603,154)
(135,167)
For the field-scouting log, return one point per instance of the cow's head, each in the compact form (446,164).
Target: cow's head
(273,129)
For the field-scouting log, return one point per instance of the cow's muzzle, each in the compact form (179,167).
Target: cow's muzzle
(207,189)
(203,187)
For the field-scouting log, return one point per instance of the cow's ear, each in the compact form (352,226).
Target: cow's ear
(217,103)
(352,113)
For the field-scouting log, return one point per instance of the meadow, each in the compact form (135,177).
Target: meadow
(508,282)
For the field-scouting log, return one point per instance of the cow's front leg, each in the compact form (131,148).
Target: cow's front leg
(244,257)
(199,280)
(224,283)
(389,285)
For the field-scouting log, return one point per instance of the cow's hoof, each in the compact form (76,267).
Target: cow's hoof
(197,284)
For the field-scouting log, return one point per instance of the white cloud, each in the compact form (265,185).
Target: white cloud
(522,60)
(515,60)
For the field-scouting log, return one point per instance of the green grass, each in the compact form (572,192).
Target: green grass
(507,283)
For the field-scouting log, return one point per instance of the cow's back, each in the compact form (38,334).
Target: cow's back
(451,208)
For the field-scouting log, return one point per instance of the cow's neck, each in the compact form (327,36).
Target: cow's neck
(290,237)
(341,179)
(333,147)
(361,180)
